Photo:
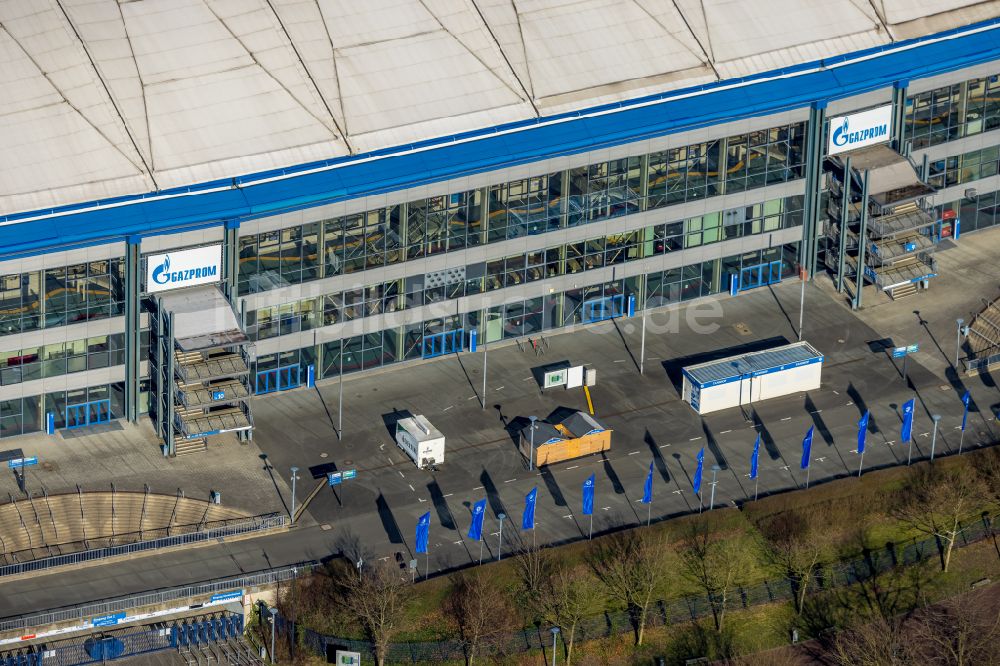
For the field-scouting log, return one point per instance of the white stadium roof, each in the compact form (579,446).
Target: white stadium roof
(104,98)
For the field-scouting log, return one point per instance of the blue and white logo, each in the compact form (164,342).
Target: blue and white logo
(185,268)
(859,130)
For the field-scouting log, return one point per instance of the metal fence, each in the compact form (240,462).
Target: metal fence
(233,528)
(666,612)
(132,602)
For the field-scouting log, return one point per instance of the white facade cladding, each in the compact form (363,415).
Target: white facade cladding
(748,378)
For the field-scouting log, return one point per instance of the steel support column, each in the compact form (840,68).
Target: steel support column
(167,390)
(231,256)
(897,127)
(845,222)
(813,184)
(859,276)
(132,337)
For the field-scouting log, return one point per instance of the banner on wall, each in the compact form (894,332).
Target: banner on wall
(859,130)
(183,268)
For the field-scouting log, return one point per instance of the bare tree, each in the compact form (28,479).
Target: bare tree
(936,500)
(568,597)
(632,567)
(715,564)
(482,611)
(877,641)
(959,632)
(535,567)
(377,599)
(797,545)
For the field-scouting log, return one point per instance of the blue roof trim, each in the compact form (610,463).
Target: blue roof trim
(255,196)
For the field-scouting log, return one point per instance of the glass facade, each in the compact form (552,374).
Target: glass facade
(964,168)
(532,315)
(953,111)
(581,256)
(60,358)
(982,212)
(57,296)
(25,415)
(534,205)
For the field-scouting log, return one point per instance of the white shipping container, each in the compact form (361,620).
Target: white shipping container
(420,440)
(748,378)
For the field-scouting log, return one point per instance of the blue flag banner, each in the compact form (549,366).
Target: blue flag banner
(423,530)
(863,431)
(647,488)
(697,471)
(754,457)
(588,496)
(528,520)
(807,443)
(965,414)
(907,431)
(478,513)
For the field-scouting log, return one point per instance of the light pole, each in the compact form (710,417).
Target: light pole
(555,633)
(274,613)
(936,418)
(803,276)
(958,340)
(486,345)
(294,479)
(340,398)
(500,546)
(642,344)
(711,501)
(531,438)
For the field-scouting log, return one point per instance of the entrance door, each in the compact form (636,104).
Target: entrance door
(88,413)
(279,379)
(599,309)
(439,344)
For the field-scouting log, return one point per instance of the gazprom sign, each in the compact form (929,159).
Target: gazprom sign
(183,268)
(859,130)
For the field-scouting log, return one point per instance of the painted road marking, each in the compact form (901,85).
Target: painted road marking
(621,360)
(449,494)
(573,467)
(725,432)
(678,492)
(663,446)
(605,508)
(925,434)
(473,397)
(447,408)
(400,473)
(499,389)
(633,453)
(510,480)
(787,418)
(381,447)
(526,379)
(421,500)
(836,392)
(457,543)
(818,411)
(850,403)
(478,488)
(695,439)
(411,487)
(568,515)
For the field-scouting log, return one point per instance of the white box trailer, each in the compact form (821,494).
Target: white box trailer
(420,440)
(748,378)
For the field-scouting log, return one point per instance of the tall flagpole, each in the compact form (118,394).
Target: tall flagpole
(862,463)
(480,545)
(808,469)
(756,481)
(961,440)
(591,535)
(649,512)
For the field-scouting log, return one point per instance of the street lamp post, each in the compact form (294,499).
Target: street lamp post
(274,613)
(555,633)
(711,501)
(531,458)
(958,340)
(936,418)
(500,546)
(294,479)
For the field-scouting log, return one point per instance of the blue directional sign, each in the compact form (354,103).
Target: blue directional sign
(227,596)
(109,620)
(912,349)
(350,474)
(334,478)
(218,395)
(898,352)
(22,462)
